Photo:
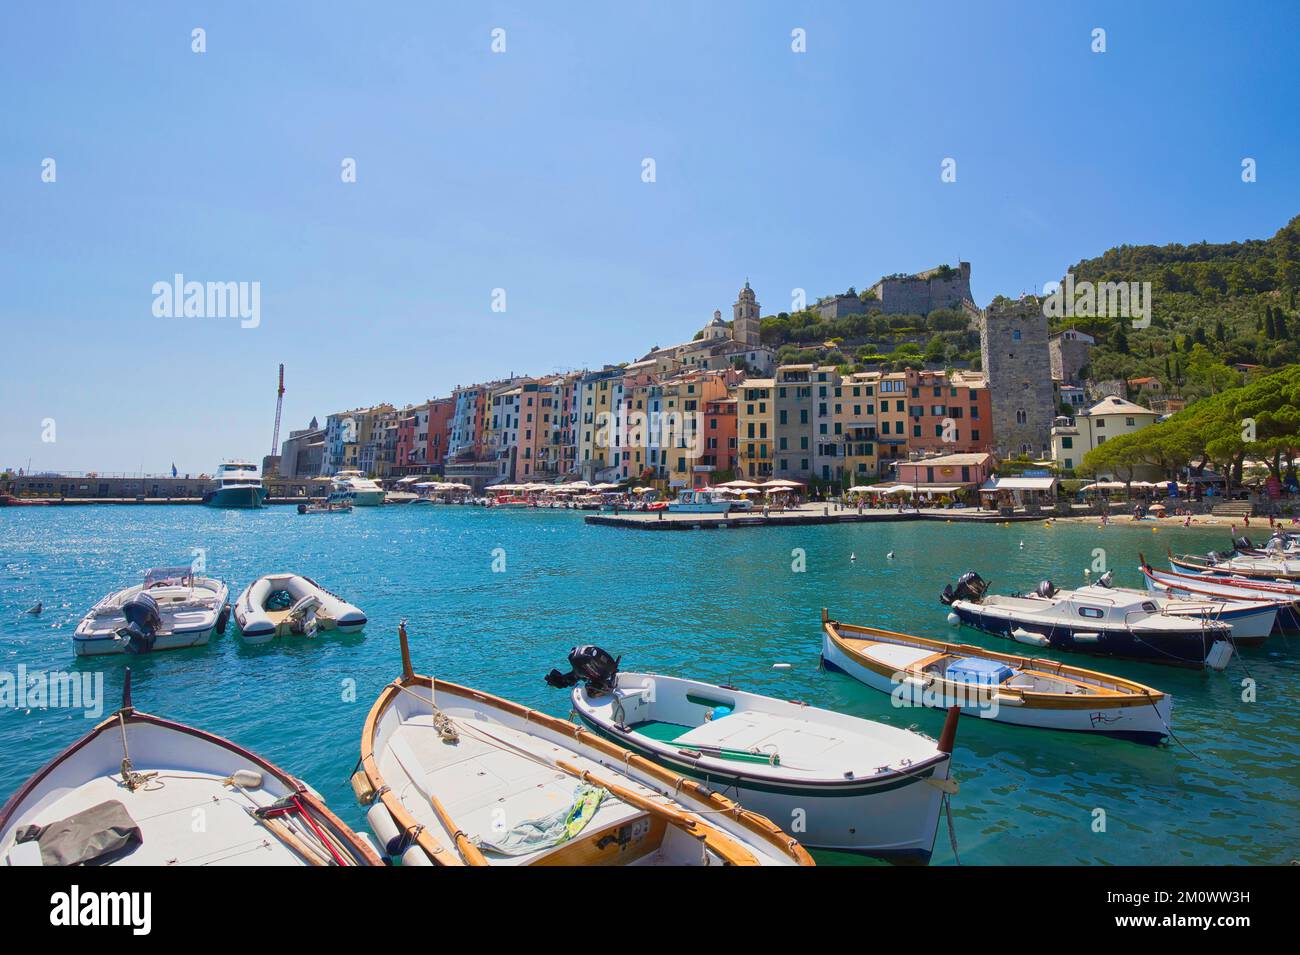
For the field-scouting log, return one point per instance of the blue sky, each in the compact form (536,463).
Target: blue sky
(522,171)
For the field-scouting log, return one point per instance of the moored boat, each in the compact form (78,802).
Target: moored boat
(353,487)
(1234,592)
(841,782)
(1254,568)
(131,791)
(1018,690)
(238,485)
(291,605)
(172,609)
(701,501)
(454,776)
(337,507)
(1092,619)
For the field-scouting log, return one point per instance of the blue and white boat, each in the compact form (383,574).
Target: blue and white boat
(238,485)
(1096,619)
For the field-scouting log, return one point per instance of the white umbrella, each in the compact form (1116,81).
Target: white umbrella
(739,484)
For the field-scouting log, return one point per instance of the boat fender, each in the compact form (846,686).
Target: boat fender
(416,856)
(381,823)
(1219,655)
(1087,638)
(1021,635)
(718,712)
(361,789)
(223,619)
(244,778)
(953,619)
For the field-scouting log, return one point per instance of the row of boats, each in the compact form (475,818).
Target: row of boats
(650,769)
(174,608)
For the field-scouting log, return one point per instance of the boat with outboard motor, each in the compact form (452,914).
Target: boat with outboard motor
(172,609)
(285,605)
(131,791)
(1275,561)
(1022,691)
(1234,591)
(846,783)
(353,487)
(339,507)
(1093,619)
(1251,620)
(238,485)
(455,776)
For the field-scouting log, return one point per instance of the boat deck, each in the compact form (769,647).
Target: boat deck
(186,818)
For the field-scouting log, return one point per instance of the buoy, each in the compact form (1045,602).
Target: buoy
(1020,635)
(1087,572)
(890,555)
(1022,545)
(853,557)
(245,778)
(953,619)
(780,666)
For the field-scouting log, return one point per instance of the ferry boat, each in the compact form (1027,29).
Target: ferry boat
(452,776)
(701,501)
(170,610)
(854,785)
(127,794)
(238,485)
(1092,619)
(353,487)
(1018,690)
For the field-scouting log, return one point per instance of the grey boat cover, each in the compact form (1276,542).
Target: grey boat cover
(87,837)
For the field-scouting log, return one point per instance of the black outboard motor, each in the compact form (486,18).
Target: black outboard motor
(1107,579)
(1243,543)
(1046,589)
(970,586)
(598,668)
(142,623)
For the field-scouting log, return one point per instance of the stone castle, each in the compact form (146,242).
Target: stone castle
(919,294)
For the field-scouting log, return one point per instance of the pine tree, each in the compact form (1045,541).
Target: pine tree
(1219,333)
(1279,323)
(1200,335)
(1270,330)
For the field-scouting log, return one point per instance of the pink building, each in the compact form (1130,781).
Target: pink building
(948,470)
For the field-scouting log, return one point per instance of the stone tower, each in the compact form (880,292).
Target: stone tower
(1015,357)
(745,318)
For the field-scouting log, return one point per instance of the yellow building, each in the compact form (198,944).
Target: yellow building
(754,427)
(855,427)
(682,421)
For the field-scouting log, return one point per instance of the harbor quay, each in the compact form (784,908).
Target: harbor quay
(800,516)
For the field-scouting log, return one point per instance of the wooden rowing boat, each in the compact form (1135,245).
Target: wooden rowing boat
(1022,691)
(142,790)
(453,776)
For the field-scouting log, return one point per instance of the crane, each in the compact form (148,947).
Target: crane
(279,403)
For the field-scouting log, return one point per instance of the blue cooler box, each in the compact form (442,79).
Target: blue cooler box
(974,670)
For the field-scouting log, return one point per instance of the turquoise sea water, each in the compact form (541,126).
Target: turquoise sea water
(721,606)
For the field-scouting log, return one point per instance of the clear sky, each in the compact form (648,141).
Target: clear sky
(522,171)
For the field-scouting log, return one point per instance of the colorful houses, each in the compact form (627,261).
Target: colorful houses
(679,416)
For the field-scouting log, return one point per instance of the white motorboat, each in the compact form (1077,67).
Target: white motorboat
(144,791)
(838,782)
(170,610)
(353,487)
(454,776)
(1092,619)
(400,497)
(1019,690)
(238,485)
(1286,597)
(285,605)
(701,501)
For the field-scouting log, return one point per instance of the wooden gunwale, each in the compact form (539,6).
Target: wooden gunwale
(760,826)
(1105,689)
(131,715)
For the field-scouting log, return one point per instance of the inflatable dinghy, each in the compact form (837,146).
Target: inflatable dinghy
(289,605)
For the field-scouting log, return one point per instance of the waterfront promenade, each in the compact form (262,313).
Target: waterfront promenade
(801,516)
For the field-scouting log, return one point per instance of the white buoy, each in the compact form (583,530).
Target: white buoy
(1022,545)
(1087,572)
(780,666)
(853,557)
(890,555)
(245,779)
(953,619)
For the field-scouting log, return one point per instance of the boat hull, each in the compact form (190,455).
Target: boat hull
(896,821)
(100,645)
(1145,723)
(245,496)
(716,507)
(1187,648)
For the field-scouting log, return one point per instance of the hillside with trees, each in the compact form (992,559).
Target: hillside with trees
(1235,302)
